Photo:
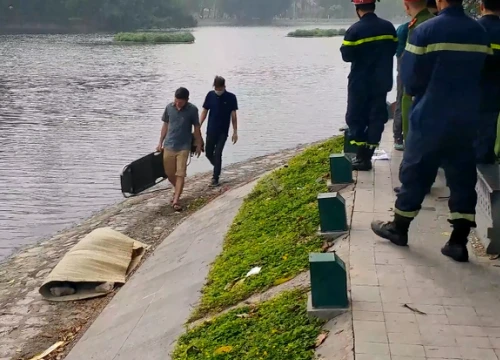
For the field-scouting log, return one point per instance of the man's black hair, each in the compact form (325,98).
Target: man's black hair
(182,93)
(431,4)
(455,2)
(366,7)
(493,5)
(219,82)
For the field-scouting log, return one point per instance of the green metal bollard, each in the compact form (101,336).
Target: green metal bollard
(340,169)
(332,213)
(328,281)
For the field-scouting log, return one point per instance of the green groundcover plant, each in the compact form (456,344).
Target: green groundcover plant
(275,229)
(278,329)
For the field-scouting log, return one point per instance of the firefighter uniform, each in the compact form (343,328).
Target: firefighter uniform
(490,95)
(369,45)
(406,102)
(441,68)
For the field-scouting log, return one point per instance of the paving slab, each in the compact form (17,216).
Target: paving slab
(414,303)
(147,315)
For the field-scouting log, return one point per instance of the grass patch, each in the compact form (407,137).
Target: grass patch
(156,37)
(277,329)
(275,229)
(317,33)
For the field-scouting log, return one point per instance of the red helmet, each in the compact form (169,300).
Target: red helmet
(362,2)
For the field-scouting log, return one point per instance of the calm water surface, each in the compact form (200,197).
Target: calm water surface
(75,109)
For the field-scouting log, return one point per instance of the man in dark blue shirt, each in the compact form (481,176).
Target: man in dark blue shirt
(221,106)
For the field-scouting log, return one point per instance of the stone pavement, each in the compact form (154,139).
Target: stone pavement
(146,316)
(413,303)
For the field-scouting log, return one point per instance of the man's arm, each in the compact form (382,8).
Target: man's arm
(395,43)
(204,112)
(203,116)
(349,46)
(416,65)
(197,133)
(234,120)
(164,130)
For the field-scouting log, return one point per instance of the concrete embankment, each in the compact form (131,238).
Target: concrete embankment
(29,324)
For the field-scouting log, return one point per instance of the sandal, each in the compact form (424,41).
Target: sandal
(177,207)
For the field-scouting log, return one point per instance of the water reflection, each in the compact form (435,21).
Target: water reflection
(73,112)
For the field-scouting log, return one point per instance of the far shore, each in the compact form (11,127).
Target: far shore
(52,29)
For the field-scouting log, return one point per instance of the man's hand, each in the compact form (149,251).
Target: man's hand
(159,148)
(235,137)
(198,149)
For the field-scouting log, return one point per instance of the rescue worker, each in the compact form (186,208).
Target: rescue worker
(419,12)
(441,69)
(369,45)
(490,85)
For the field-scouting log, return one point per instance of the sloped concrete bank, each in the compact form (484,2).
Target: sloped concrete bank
(29,324)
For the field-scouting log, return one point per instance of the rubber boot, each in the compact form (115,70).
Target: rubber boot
(363,159)
(395,231)
(456,247)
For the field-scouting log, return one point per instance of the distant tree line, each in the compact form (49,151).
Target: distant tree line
(135,14)
(97,14)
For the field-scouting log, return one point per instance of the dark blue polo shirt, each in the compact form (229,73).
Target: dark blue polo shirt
(220,109)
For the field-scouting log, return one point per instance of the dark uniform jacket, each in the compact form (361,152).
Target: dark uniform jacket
(370,45)
(490,81)
(441,68)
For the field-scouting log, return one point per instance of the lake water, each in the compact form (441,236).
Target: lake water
(75,109)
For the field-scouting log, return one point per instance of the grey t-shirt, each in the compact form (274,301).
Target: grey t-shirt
(180,126)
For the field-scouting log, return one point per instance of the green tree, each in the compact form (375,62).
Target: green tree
(255,9)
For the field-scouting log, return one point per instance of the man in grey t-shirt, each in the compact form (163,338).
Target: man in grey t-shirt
(179,119)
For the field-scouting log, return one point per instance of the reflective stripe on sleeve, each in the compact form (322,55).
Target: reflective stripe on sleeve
(421,50)
(369,39)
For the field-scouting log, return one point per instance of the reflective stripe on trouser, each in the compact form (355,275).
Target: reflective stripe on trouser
(366,117)
(422,157)
(486,137)
(364,143)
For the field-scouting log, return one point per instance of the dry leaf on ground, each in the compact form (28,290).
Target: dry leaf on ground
(321,339)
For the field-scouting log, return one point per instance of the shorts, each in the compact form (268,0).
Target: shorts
(175,162)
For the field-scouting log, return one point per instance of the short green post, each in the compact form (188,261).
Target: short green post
(328,281)
(340,169)
(332,213)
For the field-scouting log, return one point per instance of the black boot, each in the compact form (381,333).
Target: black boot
(395,231)
(456,247)
(362,161)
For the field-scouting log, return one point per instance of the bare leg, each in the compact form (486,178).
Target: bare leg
(172,181)
(179,187)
